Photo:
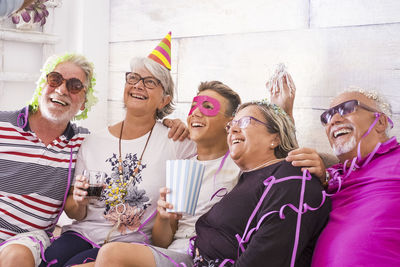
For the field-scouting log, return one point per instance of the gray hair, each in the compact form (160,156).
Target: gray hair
(84,64)
(380,101)
(278,122)
(80,61)
(161,73)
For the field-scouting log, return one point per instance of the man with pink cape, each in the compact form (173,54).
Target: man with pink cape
(364,224)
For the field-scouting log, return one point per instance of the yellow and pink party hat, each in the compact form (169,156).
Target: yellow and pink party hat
(162,53)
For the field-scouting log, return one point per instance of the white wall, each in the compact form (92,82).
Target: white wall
(328,45)
(72,26)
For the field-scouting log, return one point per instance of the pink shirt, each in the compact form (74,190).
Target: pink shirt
(364,224)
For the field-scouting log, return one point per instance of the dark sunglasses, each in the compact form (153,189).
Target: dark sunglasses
(343,109)
(55,79)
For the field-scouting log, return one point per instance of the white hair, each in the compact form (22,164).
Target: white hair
(380,101)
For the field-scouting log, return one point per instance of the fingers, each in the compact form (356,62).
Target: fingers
(176,216)
(309,159)
(167,122)
(178,129)
(184,135)
(162,207)
(163,192)
(305,163)
(302,150)
(172,130)
(161,202)
(291,84)
(80,187)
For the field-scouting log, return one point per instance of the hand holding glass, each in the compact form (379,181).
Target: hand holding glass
(95,179)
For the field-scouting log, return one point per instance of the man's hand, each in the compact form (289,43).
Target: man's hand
(308,158)
(178,129)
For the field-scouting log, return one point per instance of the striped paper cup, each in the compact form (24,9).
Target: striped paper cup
(184,180)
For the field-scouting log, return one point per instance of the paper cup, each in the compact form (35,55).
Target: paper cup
(184,179)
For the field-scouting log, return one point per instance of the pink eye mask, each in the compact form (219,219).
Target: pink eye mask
(200,100)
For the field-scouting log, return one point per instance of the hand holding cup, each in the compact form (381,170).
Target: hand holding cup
(184,178)
(96,182)
(89,185)
(80,193)
(163,205)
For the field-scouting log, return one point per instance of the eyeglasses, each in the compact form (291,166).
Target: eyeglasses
(149,82)
(343,109)
(242,123)
(55,79)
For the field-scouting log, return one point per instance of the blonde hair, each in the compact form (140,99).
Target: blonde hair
(278,122)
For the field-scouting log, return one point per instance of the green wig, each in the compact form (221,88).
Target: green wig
(51,64)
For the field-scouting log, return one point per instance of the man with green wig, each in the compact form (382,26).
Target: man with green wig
(38,149)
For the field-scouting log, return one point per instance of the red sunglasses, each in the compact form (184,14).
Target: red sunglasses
(55,79)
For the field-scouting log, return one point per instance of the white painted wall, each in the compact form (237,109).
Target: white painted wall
(72,26)
(328,45)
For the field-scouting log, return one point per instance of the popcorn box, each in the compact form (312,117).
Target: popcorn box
(184,179)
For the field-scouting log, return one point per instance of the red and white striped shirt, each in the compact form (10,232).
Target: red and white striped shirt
(33,176)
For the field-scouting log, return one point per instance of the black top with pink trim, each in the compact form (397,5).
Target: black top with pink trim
(259,223)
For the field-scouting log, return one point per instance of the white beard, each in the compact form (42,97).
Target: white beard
(340,149)
(54,116)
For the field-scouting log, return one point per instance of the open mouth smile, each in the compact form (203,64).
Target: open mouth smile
(58,101)
(141,97)
(197,124)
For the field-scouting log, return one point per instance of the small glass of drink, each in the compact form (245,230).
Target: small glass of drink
(95,179)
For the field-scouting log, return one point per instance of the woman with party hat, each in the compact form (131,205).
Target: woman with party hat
(204,120)
(129,153)
(211,110)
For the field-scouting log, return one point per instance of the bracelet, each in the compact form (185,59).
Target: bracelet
(327,178)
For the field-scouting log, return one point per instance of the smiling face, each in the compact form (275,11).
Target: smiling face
(345,132)
(57,104)
(141,101)
(208,129)
(251,146)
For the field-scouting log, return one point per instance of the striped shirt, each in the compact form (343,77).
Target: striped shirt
(33,176)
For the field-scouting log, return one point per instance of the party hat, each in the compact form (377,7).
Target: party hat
(162,53)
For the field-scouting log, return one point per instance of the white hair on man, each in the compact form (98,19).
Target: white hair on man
(380,101)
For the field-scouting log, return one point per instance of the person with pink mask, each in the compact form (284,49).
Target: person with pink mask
(364,224)
(211,110)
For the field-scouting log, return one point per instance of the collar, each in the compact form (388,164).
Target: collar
(339,173)
(69,131)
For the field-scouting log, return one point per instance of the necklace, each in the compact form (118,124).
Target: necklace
(263,165)
(136,170)
(118,200)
